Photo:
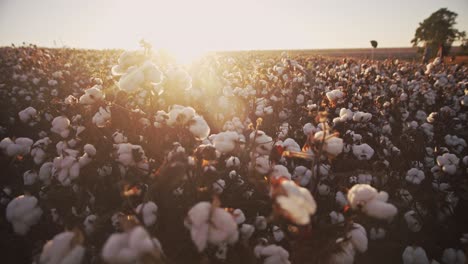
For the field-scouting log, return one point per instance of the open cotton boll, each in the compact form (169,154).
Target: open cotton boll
(246,231)
(297,203)
(264,143)
(23,212)
(199,128)
(62,249)
(291,145)
(334,95)
(302,175)
(453,256)
(280,171)
(21,146)
(363,152)
(218,186)
(414,255)
(336,217)
(448,162)
(45,172)
(119,137)
(177,79)
(365,198)
(92,95)
(130,155)
(272,254)
(132,246)
(225,142)
(90,224)
(89,149)
(209,224)
(358,237)
(148,212)
(38,150)
(180,115)
(128,59)
(362,117)
(102,117)
(345,115)
(310,129)
(29,177)
(239,216)
(415,176)
(27,114)
(262,164)
(232,162)
(60,125)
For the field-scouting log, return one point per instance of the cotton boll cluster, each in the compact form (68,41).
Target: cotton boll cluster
(448,162)
(366,199)
(295,203)
(20,146)
(271,254)
(102,117)
(92,95)
(148,212)
(209,224)
(23,212)
(61,126)
(414,255)
(29,116)
(132,246)
(63,248)
(415,176)
(187,117)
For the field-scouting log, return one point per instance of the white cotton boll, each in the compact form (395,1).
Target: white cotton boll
(372,203)
(225,142)
(272,254)
(132,79)
(27,114)
(148,212)
(345,115)
(262,164)
(29,177)
(297,202)
(291,145)
(341,199)
(415,176)
(210,225)
(61,249)
(280,171)
(323,189)
(246,231)
(180,115)
(232,162)
(363,152)
(101,118)
(126,152)
(300,99)
(178,79)
(336,217)
(414,255)
(358,238)
(412,221)
(302,175)
(23,212)
(334,95)
(218,186)
(309,129)
(278,234)
(452,256)
(60,125)
(377,233)
(129,247)
(362,117)
(261,222)
(239,216)
(119,138)
(92,95)
(345,255)
(448,162)
(199,128)
(89,149)
(90,224)
(45,173)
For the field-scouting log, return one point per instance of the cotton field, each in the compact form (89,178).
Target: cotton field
(129,157)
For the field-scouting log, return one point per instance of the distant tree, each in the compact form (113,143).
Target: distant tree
(438,31)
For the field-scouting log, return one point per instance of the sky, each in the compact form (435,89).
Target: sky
(200,25)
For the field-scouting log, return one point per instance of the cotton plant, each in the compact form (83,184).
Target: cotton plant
(23,212)
(66,247)
(209,224)
(365,198)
